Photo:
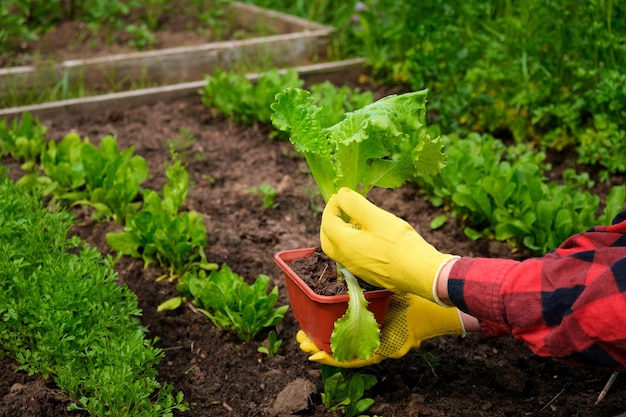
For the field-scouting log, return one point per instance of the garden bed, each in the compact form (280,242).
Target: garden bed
(221,376)
(273,39)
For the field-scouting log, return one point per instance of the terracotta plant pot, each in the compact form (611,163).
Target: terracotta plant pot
(316,314)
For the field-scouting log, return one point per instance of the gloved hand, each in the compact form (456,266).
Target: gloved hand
(409,321)
(379,247)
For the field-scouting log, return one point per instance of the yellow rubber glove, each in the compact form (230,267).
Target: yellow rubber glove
(379,247)
(409,321)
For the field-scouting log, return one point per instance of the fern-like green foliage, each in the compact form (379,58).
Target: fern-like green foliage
(63,315)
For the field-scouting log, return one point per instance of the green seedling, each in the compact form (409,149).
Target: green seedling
(105,178)
(160,233)
(502,193)
(267,193)
(230,303)
(344,393)
(238,98)
(24,140)
(273,344)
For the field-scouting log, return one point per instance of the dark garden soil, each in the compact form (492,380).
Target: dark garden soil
(221,376)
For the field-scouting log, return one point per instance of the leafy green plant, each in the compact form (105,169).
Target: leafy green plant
(64,316)
(183,140)
(267,194)
(599,145)
(140,36)
(159,233)
(339,15)
(489,67)
(336,101)
(113,179)
(238,98)
(106,15)
(105,178)
(63,168)
(230,303)
(383,144)
(14,28)
(153,11)
(344,393)
(503,193)
(24,140)
(273,344)
(235,96)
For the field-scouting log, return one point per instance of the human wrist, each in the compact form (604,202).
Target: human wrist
(441,282)
(470,323)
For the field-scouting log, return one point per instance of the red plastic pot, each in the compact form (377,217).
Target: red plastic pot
(316,314)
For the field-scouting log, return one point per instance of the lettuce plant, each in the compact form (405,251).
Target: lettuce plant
(344,393)
(229,302)
(23,139)
(105,178)
(383,144)
(160,232)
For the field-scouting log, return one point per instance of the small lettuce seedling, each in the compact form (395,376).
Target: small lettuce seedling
(273,344)
(105,178)
(267,194)
(383,144)
(344,393)
(24,140)
(230,303)
(161,233)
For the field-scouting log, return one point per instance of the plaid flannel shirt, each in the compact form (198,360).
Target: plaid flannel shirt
(569,304)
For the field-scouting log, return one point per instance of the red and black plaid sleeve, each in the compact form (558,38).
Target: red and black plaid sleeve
(569,304)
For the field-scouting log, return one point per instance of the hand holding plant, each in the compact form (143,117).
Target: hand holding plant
(379,247)
(383,144)
(409,321)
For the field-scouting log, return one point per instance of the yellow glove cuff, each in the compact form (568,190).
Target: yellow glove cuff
(411,319)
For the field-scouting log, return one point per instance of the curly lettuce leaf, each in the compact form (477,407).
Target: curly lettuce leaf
(295,112)
(383,144)
(356,333)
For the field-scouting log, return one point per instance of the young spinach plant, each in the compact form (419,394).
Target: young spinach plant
(161,233)
(273,344)
(267,194)
(383,144)
(105,178)
(229,302)
(24,140)
(344,393)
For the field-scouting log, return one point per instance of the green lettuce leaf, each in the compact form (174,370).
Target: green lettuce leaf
(383,144)
(356,333)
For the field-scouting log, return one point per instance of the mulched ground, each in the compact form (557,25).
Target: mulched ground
(219,375)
